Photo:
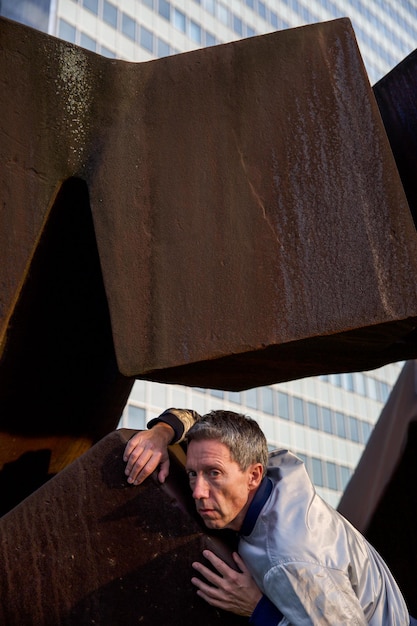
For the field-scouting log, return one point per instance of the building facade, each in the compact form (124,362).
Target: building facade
(140,30)
(326,420)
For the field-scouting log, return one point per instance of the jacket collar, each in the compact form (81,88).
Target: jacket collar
(256,506)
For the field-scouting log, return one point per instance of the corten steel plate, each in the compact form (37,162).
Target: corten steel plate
(250,221)
(87,548)
(396,95)
(380,499)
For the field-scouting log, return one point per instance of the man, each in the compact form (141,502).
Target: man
(300,561)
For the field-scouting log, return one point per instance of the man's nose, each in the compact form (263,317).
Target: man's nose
(200,488)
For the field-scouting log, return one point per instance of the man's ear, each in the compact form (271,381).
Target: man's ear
(255,475)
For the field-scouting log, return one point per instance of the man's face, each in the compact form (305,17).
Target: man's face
(221,490)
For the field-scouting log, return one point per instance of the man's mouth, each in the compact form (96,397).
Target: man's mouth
(206,512)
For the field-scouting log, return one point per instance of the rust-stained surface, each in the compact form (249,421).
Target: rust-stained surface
(228,218)
(60,387)
(250,222)
(396,95)
(86,548)
(380,499)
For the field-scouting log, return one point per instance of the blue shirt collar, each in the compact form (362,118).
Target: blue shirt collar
(256,506)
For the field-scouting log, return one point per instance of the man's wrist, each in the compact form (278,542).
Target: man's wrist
(166,430)
(171,420)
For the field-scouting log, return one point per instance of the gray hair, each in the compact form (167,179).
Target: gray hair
(240,433)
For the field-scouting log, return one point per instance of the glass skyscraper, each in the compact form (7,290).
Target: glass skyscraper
(326,420)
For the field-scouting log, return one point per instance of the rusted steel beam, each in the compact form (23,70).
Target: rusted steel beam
(380,499)
(86,548)
(250,222)
(396,95)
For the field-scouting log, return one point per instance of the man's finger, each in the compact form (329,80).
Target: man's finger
(211,576)
(223,568)
(145,472)
(212,592)
(131,457)
(133,447)
(143,467)
(138,457)
(218,603)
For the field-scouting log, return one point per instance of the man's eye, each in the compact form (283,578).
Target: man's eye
(191,474)
(214,473)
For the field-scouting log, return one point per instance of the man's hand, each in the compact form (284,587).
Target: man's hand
(145,451)
(233,591)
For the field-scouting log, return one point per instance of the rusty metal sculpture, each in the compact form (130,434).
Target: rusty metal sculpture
(380,499)
(227,218)
(88,549)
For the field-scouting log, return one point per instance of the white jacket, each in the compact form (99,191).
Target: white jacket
(310,561)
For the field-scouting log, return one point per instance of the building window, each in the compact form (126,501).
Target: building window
(336,380)
(252,398)
(299,417)
(274,20)
(353,429)
(238,25)
(340,425)
(146,39)
(91,5)
(66,31)
(88,43)
(148,3)
(105,52)
(283,407)
(372,388)
(262,10)
(359,381)
(234,396)
(326,415)
(331,472)
(180,20)
(110,13)
(163,48)
(345,474)
(267,400)
(164,9)
(210,39)
(195,32)
(313,415)
(136,417)
(303,457)
(347,382)
(366,431)
(217,393)
(128,26)
(317,472)
(384,391)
